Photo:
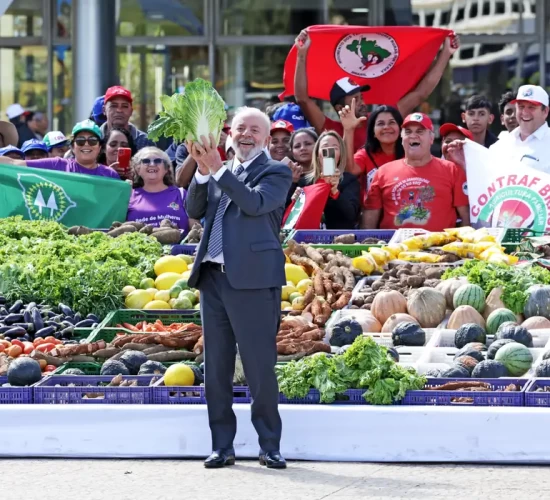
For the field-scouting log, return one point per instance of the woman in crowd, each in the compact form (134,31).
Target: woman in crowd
(302,143)
(86,145)
(343,204)
(383,143)
(33,149)
(118,138)
(12,152)
(279,146)
(155,196)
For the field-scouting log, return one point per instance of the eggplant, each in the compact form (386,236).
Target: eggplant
(69,319)
(66,324)
(16,332)
(30,306)
(29,327)
(13,318)
(16,307)
(27,337)
(51,323)
(3,311)
(45,332)
(67,333)
(27,318)
(50,314)
(94,317)
(3,300)
(58,319)
(4,329)
(37,319)
(66,310)
(85,323)
(77,318)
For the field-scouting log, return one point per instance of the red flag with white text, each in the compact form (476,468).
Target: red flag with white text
(391,59)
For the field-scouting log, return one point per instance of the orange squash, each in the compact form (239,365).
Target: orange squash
(536,323)
(465,314)
(387,303)
(396,319)
(427,306)
(368,322)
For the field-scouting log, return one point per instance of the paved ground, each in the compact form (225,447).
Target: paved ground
(182,480)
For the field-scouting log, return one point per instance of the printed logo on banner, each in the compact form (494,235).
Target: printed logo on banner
(44,199)
(367,56)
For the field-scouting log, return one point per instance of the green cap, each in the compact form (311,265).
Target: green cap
(52,139)
(88,126)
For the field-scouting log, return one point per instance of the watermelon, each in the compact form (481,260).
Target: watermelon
(470,295)
(497,317)
(516,358)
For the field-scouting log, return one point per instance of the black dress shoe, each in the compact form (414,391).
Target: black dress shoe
(272,460)
(219,459)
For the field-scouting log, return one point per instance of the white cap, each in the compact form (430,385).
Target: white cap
(532,93)
(14,110)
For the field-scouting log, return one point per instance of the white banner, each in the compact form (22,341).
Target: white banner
(505,193)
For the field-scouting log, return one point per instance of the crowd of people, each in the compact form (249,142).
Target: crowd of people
(385,175)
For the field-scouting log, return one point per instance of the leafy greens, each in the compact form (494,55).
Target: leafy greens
(514,280)
(365,365)
(85,272)
(199,111)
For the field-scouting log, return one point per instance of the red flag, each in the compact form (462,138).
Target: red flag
(306,211)
(391,59)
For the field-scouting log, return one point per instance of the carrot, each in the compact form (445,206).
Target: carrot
(130,327)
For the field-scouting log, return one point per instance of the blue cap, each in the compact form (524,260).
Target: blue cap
(291,113)
(97,110)
(11,149)
(34,144)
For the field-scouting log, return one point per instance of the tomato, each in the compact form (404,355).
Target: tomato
(2,347)
(38,341)
(14,351)
(42,363)
(56,342)
(6,343)
(50,368)
(50,339)
(19,343)
(29,347)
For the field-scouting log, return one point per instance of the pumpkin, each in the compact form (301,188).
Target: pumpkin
(368,322)
(427,306)
(395,319)
(345,331)
(538,302)
(467,362)
(387,303)
(448,289)
(463,315)
(409,334)
(519,334)
(536,323)
(469,333)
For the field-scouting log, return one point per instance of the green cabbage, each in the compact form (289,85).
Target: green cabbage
(200,110)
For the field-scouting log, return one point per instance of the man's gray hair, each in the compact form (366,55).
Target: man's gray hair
(248,111)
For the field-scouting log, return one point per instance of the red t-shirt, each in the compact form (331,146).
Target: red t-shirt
(369,168)
(418,197)
(359,138)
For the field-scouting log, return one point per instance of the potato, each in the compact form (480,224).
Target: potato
(167,236)
(121,230)
(415,281)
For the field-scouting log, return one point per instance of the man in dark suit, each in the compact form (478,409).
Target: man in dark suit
(239,271)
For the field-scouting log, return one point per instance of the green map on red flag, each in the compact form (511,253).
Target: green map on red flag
(68,198)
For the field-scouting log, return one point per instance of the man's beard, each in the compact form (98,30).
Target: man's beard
(255,151)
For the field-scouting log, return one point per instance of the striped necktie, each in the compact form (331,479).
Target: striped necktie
(215,242)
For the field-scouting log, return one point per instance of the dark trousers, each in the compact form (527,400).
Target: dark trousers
(249,318)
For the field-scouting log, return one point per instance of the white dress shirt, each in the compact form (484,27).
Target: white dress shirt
(534,151)
(203,179)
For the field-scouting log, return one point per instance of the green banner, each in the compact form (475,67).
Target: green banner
(68,198)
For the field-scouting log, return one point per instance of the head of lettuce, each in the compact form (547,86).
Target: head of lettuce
(199,111)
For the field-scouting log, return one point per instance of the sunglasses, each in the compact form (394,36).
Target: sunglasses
(154,161)
(81,141)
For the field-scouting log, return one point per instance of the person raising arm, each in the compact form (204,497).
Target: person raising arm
(344,91)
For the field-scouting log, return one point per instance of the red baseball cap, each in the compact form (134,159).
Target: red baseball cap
(282,125)
(447,128)
(117,91)
(419,119)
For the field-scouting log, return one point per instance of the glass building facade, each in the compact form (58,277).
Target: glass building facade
(241,46)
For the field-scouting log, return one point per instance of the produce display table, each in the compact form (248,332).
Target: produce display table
(322,433)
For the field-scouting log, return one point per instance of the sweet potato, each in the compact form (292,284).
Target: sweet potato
(316,307)
(167,236)
(314,255)
(106,353)
(326,309)
(345,239)
(296,248)
(137,225)
(342,301)
(156,349)
(318,287)
(164,357)
(121,230)
(199,346)
(309,296)
(147,229)
(349,280)
(309,264)
(79,230)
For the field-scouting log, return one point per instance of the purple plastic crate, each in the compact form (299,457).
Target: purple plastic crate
(184,249)
(533,398)
(327,236)
(14,395)
(497,397)
(47,392)
(312,398)
(162,395)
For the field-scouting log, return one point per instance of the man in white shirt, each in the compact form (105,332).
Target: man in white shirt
(529,143)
